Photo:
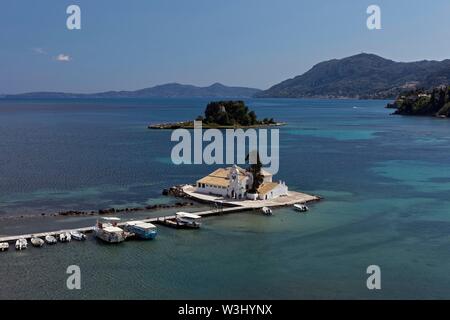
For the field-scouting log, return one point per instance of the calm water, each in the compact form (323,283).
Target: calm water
(385,179)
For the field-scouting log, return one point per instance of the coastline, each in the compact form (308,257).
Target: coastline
(190,125)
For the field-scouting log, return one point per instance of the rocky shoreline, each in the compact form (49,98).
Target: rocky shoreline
(76,213)
(190,125)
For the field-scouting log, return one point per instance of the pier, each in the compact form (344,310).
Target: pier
(222,206)
(155,220)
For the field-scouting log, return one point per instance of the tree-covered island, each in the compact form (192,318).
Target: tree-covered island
(223,115)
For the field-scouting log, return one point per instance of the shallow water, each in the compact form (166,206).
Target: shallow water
(385,180)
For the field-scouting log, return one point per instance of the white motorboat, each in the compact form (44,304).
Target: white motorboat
(4,246)
(64,237)
(50,239)
(267,211)
(301,207)
(76,235)
(37,242)
(21,244)
(188,220)
(107,230)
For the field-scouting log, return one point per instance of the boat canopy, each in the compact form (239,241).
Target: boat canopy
(110,218)
(112,229)
(142,225)
(187,215)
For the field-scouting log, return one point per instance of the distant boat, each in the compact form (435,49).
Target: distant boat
(21,244)
(141,229)
(267,211)
(301,207)
(50,239)
(76,235)
(37,242)
(107,230)
(4,246)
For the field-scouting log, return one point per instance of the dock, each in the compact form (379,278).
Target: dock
(155,220)
(222,206)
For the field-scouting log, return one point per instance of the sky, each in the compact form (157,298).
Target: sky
(128,45)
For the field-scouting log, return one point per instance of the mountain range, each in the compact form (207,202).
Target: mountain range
(170,90)
(363,76)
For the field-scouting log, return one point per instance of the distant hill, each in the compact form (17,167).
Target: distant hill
(170,90)
(362,76)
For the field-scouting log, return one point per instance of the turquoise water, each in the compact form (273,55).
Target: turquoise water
(385,180)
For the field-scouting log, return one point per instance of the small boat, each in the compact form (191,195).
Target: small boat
(50,239)
(266,211)
(107,230)
(142,230)
(185,220)
(76,235)
(301,207)
(21,244)
(62,237)
(37,242)
(65,237)
(4,246)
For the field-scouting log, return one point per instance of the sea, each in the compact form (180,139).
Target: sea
(384,180)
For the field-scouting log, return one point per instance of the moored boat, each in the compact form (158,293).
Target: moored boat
(64,236)
(76,235)
(4,246)
(142,230)
(37,242)
(107,230)
(188,220)
(21,244)
(301,207)
(267,211)
(50,239)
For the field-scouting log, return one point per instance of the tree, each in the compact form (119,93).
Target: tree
(255,170)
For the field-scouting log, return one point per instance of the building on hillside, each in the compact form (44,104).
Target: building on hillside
(235,182)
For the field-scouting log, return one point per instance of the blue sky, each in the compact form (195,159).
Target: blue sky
(125,45)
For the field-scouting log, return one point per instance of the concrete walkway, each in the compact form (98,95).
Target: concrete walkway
(292,198)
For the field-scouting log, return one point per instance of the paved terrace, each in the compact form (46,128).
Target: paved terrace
(293,197)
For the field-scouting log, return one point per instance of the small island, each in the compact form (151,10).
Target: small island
(435,102)
(223,115)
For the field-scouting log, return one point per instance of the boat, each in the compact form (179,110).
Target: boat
(186,220)
(37,242)
(21,244)
(107,230)
(50,239)
(76,235)
(65,237)
(266,211)
(62,237)
(142,230)
(4,246)
(301,207)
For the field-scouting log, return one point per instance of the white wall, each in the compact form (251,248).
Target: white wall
(212,189)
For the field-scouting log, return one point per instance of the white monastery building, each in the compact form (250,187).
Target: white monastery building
(234,183)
